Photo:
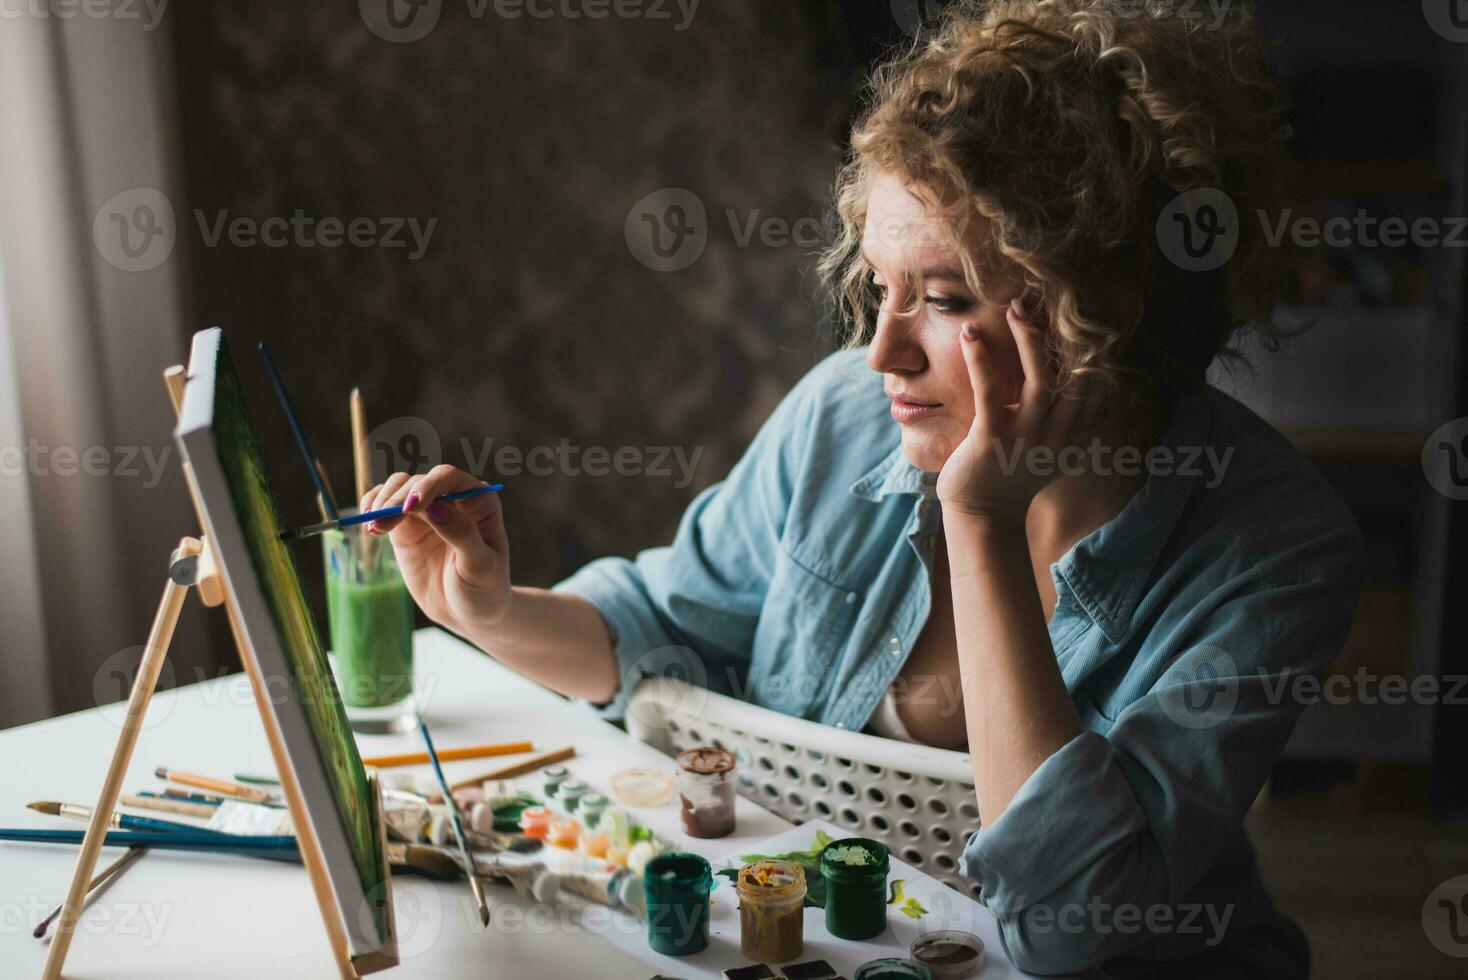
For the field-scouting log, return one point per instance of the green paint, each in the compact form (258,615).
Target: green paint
(371,625)
(856,891)
(909,907)
(677,886)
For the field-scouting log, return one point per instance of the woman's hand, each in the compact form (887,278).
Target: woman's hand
(994,471)
(455,557)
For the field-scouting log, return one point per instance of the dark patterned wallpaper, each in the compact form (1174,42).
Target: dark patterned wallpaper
(517,311)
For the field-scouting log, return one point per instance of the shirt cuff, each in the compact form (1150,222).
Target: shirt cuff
(639,639)
(1067,816)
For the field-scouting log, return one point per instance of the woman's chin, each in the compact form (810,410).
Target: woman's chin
(925,450)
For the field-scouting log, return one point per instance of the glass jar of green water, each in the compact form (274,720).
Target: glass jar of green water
(371,617)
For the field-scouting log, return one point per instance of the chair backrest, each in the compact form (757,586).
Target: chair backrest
(917,800)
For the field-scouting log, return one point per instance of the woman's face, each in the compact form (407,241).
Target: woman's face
(919,355)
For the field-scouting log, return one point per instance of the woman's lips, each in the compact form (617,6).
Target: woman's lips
(905,410)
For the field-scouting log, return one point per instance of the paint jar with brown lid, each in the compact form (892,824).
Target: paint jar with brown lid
(771,911)
(706,791)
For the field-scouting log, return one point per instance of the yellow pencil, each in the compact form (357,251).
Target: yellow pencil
(449,755)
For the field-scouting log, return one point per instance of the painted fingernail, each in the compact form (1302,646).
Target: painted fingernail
(970,332)
(438,512)
(374,528)
(1018,305)
(410,503)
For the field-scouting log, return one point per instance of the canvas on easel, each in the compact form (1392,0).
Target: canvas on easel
(241,563)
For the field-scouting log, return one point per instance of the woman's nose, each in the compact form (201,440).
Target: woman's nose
(894,348)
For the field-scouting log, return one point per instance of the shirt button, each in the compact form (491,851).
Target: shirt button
(894,646)
(840,724)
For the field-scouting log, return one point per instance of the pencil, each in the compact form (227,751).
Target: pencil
(237,790)
(448,755)
(518,768)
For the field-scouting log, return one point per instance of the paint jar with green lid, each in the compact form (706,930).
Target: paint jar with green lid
(855,870)
(892,969)
(676,887)
(591,807)
(554,777)
(570,794)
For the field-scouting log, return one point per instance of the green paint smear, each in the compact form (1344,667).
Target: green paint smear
(909,907)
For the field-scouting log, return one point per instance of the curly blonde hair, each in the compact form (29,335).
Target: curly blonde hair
(1066,127)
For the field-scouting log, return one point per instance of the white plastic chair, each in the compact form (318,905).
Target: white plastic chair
(917,800)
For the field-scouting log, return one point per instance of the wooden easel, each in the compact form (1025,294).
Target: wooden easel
(193,565)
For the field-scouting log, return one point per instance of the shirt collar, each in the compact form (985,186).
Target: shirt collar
(1108,569)
(895,474)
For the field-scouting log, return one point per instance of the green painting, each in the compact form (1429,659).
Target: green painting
(310,684)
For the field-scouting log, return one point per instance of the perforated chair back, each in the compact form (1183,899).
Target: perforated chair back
(917,800)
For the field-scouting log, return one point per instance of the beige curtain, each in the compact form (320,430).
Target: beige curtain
(91,490)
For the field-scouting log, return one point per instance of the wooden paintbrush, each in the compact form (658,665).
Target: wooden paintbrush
(105,875)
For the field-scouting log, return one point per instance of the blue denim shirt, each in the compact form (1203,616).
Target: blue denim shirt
(802,582)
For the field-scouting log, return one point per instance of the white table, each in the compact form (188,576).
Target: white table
(191,915)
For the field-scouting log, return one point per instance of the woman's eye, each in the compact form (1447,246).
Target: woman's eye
(949,304)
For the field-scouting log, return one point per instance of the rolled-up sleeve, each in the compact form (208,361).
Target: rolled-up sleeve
(689,610)
(1133,818)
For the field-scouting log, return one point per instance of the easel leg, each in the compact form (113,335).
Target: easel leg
(154,654)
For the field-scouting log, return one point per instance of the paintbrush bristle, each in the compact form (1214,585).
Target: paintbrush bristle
(46,806)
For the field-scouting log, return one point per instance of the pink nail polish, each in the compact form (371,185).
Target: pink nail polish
(410,503)
(374,528)
(1018,305)
(438,512)
(970,332)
